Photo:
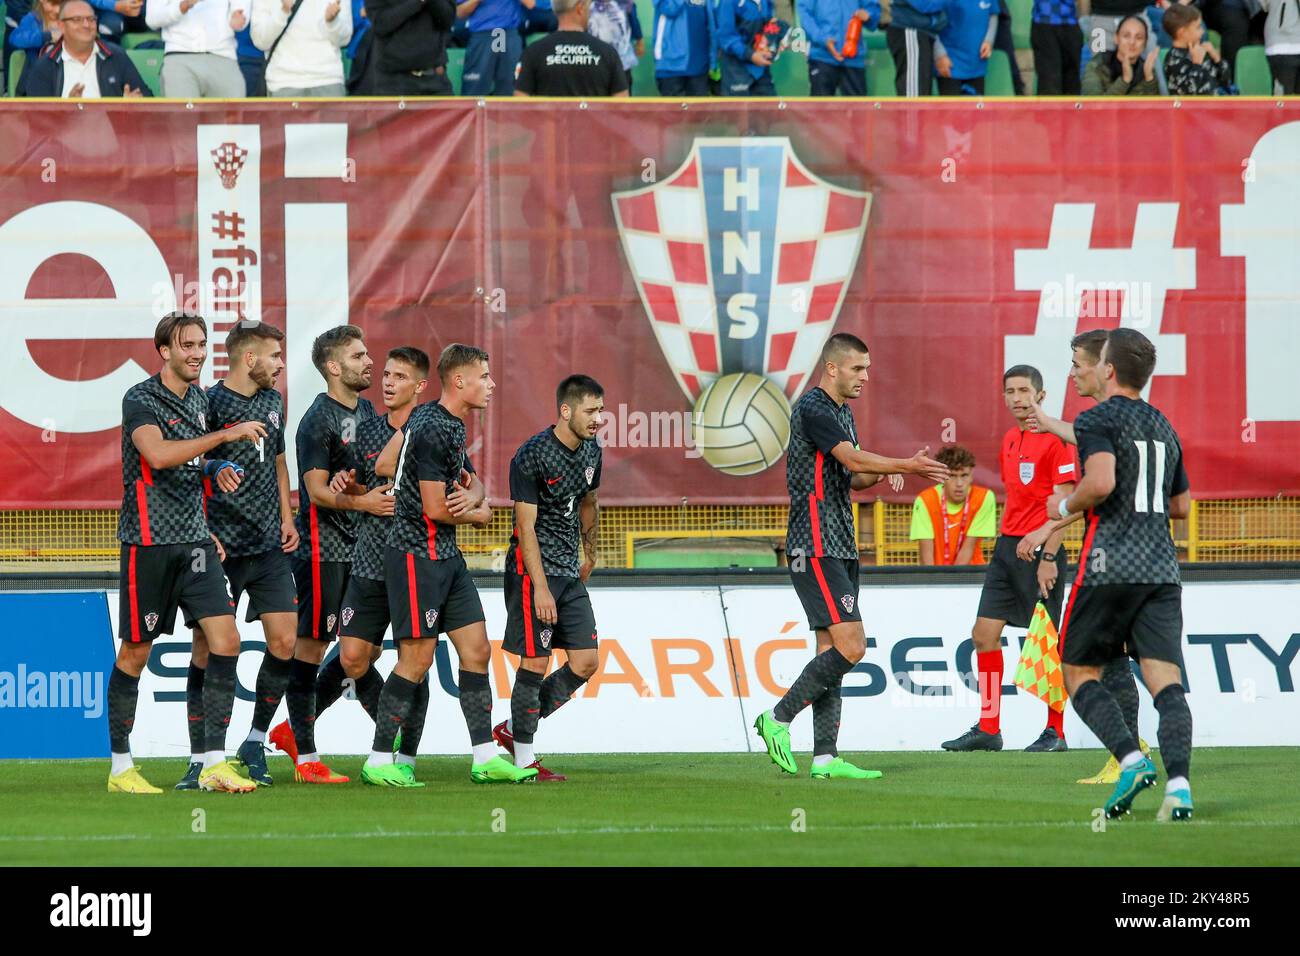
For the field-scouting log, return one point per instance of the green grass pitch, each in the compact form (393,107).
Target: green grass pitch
(662,809)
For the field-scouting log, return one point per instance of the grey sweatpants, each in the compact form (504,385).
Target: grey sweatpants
(191,76)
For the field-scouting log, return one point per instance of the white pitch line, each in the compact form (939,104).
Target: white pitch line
(624,831)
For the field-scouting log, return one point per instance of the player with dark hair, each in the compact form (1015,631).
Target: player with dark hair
(326,445)
(254,529)
(823,465)
(1034,465)
(1127,596)
(169,558)
(429,585)
(364,619)
(554,477)
(1117,675)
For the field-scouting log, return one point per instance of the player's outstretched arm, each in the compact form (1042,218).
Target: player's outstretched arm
(375,501)
(160,453)
(1095,487)
(868,463)
(386,463)
(542,600)
(1040,421)
(1031,542)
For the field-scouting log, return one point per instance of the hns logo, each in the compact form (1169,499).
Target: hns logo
(742,258)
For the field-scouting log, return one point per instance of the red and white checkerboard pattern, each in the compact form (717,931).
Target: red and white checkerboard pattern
(819,234)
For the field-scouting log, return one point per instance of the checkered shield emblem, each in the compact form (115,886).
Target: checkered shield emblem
(742,258)
(228,158)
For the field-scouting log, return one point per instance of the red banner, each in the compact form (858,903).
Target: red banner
(691,259)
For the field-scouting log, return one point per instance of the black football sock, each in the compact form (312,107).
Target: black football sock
(413,729)
(1099,711)
(525,705)
(394,705)
(123,689)
(826,721)
(194,709)
(301,699)
(272,678)
(557,689)
(825,670)
(329,684)
(1175,730)
(1117,677)
(369,687)
(476,705)
(218,699)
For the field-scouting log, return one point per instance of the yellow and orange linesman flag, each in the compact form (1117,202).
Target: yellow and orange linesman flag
(1039,670)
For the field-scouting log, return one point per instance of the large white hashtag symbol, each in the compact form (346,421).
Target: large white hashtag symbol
(1147,270)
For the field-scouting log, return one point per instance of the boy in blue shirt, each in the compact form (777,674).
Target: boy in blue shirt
(495,45)
(745,70)
(964,46)
(682,47)
(826,24)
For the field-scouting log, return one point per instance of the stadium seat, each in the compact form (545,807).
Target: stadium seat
(880,73)
(997,82)
(790,74)
(455,67)
(1253,75)
(1022,15)
(16,63)
(149,63)
(875,40)
(132,40)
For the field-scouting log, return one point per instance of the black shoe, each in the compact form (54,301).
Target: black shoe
(975,739)
(252,756)
(1047,742)
(191,779)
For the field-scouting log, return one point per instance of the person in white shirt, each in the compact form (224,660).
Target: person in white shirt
(199,46)
(303,53)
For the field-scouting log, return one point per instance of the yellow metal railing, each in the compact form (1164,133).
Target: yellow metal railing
(1250,529)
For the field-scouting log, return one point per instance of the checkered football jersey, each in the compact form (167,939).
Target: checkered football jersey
(372,530)
(163,506)
(545,472)
(821,515)
(433,450)
(246,520)
(326,440)
(1127,540)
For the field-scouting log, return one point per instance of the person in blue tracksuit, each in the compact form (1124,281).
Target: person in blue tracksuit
(745,71)
(826,24)
(962,52)
(683,47)
(913,25)
(496,43)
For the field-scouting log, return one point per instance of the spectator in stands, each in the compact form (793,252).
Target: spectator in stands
(571,62)
(113,15)
(964,46)
(79,64)
(913,27)
(611,21)
(1231,18)
(1127,70)
(302,42)
(39,26)
(682,47)
(199,43)
(745,61)
(965,511)
(496,42)
(410,46)
(826,24)
(1058,43)
(540,19)
(1282,45)
(358,53)
(1193,66)
(1102,23)
(252,63)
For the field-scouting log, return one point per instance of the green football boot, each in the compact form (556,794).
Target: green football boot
(389,775)
(777,738)
(841,769)
(500,770)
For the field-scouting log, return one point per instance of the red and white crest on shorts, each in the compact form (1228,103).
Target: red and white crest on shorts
(228,159)
(347,616)
(546,636)
(329,622)
(742,258)
(430,616)
(150,621)
(847,601)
